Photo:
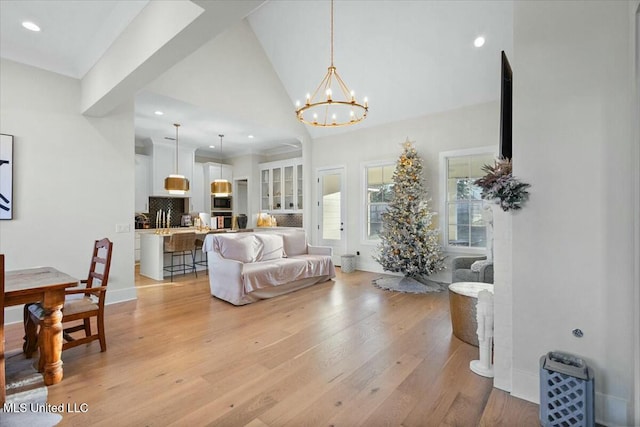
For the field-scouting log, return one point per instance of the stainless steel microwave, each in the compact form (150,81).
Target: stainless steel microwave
(221,203)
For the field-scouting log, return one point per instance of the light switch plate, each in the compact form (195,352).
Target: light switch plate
(123,228)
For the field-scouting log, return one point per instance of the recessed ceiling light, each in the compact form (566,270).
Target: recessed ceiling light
(479,41)
(212,146)
(158,113)
(30,26)
(250,137)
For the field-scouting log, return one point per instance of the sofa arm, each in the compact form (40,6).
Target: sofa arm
(464,262)
(486,273)
(319,250)
(215,259)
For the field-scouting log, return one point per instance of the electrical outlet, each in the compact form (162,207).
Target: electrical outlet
(123,228)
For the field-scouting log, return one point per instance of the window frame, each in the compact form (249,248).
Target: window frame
(364,214)
(444,205)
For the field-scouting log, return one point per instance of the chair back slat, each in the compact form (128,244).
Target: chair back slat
(102,250)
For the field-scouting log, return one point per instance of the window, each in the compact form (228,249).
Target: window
(378,194)
(464,224)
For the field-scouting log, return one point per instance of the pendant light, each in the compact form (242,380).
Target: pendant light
(221,187)
(175,183)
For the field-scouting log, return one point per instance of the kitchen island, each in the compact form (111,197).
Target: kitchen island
(152,256)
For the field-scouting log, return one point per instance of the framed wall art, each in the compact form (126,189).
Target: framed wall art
(6,176)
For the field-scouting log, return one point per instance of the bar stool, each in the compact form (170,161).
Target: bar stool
(179,245)
(204,257)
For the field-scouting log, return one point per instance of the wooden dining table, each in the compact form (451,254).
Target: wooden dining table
(45,285)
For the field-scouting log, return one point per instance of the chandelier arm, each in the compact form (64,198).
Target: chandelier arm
(329,81)
(322,83)
(343,86)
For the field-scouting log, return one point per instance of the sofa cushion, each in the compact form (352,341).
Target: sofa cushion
(295,242)
(240,247)
(270,246)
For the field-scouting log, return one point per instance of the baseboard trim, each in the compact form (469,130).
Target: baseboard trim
(115,296)
(612,411)
(14,314)
(525,385)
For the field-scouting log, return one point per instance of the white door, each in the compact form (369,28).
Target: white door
(331,211)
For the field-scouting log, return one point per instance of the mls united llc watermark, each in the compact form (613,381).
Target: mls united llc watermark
(67,408)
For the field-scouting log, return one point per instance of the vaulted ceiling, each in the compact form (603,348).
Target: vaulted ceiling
(410,58)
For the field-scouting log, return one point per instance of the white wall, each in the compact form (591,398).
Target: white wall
(468,127)
(73,179)
(573,253)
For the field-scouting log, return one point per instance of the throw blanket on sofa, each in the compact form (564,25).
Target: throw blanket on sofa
(259,275)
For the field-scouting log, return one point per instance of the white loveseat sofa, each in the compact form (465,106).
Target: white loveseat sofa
(250,266)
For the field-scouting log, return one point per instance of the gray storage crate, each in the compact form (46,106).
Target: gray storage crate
(566,391)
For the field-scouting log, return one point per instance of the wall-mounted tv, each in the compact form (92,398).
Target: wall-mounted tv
(506,87)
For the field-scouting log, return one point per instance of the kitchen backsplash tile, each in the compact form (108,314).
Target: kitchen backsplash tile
(176,204)
(289,220)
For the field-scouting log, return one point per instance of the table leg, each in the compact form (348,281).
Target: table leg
(30,333)
(50,338)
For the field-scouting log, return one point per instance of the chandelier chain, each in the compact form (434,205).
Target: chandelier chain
(332,33)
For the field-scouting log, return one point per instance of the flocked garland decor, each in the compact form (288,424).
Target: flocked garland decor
(500,187)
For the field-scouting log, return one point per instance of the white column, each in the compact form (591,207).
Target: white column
(502,298)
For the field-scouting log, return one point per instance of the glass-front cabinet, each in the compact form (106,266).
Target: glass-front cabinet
(276,188)
(265,186)
(299,185)
(281,186)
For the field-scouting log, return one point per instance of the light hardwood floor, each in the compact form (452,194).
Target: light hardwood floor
(342,353)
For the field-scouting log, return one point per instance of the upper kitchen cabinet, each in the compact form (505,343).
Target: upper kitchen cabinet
(213,171)
(143,182)
(281,186)
(199,190)
(164,164)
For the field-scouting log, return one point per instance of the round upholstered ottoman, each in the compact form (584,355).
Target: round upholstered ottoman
(463,297)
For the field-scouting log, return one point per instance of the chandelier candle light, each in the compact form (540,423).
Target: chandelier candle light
(221,187)
(174,183)
(328,107)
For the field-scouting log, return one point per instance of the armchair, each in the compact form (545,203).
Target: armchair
(461,270)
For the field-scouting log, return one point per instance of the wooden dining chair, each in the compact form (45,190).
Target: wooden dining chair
(80,304)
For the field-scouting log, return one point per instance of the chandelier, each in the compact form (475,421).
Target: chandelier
(175,183)
(332,104)
(221,187)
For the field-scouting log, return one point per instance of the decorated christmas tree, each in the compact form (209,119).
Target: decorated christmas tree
(409,241)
